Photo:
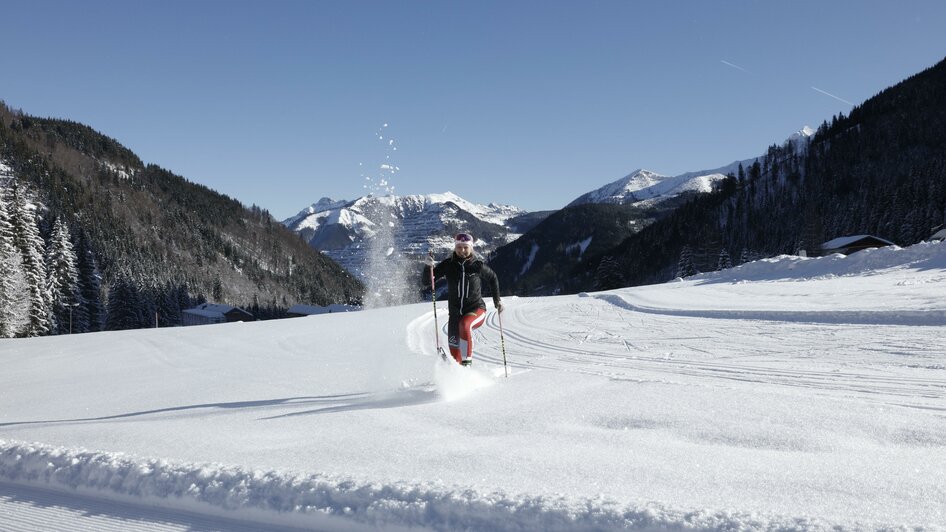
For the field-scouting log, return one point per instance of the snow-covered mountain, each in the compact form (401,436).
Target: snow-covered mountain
(643,187)
(345,229)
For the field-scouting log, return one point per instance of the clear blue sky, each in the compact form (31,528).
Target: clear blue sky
(528,103)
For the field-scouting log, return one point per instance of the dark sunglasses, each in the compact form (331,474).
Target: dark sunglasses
(463,237)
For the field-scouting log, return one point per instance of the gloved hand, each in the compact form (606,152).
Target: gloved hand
(499,306)
(429,261)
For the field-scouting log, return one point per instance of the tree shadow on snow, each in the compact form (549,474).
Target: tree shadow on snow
(401,398)
(336,403)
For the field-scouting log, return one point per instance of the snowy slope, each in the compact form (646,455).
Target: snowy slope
(788,393)
(643,187)
(6,173)
(344,229)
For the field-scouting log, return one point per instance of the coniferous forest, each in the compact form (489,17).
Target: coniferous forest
(881,170)
(91,238)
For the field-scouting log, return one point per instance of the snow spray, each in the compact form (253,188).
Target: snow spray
(386,272)
(454,381)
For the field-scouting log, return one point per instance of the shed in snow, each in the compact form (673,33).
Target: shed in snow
(851,244)
(297,311)
(213,313)
(938,236)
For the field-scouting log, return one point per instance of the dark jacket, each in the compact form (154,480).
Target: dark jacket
(465,280)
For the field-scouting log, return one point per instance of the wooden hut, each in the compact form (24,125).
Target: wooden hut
(852,244)
(209,313)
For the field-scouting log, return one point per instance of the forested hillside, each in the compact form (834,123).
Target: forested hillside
(546,258)
(150,239)
(881,170)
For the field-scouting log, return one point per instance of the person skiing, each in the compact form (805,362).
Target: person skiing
(465,273)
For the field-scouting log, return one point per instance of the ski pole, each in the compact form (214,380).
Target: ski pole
(502,344)
(433,297)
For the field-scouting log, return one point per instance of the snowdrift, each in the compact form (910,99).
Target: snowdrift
(322,502)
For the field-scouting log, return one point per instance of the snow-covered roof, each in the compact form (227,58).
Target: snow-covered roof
(311,310)
(939,235)
(212,310)
(845,241)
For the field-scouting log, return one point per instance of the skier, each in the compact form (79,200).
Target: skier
(465,273)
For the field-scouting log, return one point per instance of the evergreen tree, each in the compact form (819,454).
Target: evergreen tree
(148,298)
(90,283)
(608,275)
(217,291)
(725,262)
(184,299)
(66,304)
(744,256)
(167,305)
(30,245)
(685,267)
(124,306)
(13,288)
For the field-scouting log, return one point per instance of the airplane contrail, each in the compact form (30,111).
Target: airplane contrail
(727,63)
(826,93)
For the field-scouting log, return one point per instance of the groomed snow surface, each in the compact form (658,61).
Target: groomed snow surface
(785,394)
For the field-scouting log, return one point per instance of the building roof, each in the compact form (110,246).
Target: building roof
(311,310)
(845,241)
(939,235)
(214,310)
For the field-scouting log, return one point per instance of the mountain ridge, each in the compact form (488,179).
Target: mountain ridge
(645,185)
(345,229)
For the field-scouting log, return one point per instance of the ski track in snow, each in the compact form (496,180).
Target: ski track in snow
(723,405)
(680,357)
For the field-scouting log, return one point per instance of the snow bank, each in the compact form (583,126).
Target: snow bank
(882,286)
(853,317)
(342,504)
(929,256)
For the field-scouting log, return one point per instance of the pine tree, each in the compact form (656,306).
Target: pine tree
(148,298)
(685,267)
(30,245)
(168,305)
(90,283)
(744,257)
(184,299)
(13,288)
(725,262)
(124,306)
(217,291)
(608,274)
(66,303)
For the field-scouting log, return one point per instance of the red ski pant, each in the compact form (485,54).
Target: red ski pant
(460,331)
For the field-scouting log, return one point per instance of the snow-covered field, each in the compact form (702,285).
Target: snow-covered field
(788,393)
